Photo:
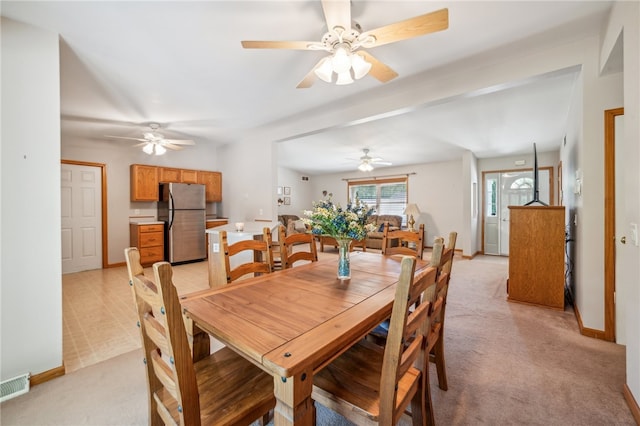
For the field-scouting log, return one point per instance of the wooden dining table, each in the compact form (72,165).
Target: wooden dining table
(292,323)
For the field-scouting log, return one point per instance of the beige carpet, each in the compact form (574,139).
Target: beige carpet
(507,364)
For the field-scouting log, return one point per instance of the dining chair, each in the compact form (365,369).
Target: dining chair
(287,254)
(409,242)
(369,384)
(261,252)
(445,264)
(222,389)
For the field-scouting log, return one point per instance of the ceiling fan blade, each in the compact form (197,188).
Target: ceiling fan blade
(381,163)
(171,146)
(296,45)
(337,13)
(378,70)
(124,137)
(179,141)
(409,28)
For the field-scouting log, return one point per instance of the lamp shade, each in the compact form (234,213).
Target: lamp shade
(412,209)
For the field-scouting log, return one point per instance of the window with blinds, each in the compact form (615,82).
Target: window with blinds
(387,196)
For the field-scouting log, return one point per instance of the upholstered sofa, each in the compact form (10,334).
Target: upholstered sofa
(292,222)
(374,238)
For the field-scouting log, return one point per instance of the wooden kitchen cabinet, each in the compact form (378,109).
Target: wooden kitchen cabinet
(149,239)
(189,176)
(169,174)
(213,185)
(536,255)
(144,183)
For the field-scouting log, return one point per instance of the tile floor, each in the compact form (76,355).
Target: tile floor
(98,312)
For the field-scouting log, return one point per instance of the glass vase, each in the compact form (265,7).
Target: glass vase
(344,268)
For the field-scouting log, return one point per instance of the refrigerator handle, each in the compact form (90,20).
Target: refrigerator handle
(172,210)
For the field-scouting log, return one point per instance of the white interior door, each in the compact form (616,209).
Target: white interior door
(81,197)
(621,230)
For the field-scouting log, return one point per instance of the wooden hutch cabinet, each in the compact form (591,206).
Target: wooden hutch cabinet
(536,255)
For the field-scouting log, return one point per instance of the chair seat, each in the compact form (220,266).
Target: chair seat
(227,384)
(354,378)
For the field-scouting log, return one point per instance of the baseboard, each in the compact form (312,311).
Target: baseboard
(470,257)
(45,376)
(631,401)
(589,332)
(116,265)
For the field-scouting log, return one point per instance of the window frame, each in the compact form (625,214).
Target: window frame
(379,183)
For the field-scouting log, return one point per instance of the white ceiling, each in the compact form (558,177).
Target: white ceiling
(125,64)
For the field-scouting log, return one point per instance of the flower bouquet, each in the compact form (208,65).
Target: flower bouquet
(343,224)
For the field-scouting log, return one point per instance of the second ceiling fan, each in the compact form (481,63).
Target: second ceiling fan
(345,42)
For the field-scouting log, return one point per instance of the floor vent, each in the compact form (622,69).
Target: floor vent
(14,387)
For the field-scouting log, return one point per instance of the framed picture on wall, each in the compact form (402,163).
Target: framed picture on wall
(287,190)
(287,201)
(279,190)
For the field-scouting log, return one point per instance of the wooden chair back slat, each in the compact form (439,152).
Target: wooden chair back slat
(233,391)
(288,256)
(262,251)
(404,239)
(394,351)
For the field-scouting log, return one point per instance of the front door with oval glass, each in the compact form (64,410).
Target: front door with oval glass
(501,190)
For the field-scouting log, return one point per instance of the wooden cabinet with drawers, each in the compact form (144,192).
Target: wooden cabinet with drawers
(149,239)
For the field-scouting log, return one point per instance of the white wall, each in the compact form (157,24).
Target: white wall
(301,191)
(118,156)
(625,18)
(249,180)
(31,287)
(431,188)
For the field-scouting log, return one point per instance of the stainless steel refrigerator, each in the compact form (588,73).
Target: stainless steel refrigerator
(182,208)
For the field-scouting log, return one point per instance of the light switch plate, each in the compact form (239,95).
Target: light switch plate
(634,234)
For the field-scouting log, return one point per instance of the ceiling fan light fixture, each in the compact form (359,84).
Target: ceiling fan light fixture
(344,78)
(341,60)
(160,149)
(360,66)
(365,167)
(325,70)
(148,148)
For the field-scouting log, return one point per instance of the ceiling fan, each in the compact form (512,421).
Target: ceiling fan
(367,162)
(345,38)
(155,143)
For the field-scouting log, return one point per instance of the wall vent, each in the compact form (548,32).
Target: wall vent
(14,387)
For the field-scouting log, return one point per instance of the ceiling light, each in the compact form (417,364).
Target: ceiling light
(160,149)
(360,66)
(365,167)
(325,70)
(154,148)
(344,63)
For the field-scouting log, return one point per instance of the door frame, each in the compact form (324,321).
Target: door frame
(103,203)
(610,223)
(484,194)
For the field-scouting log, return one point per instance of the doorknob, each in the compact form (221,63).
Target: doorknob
(623,240)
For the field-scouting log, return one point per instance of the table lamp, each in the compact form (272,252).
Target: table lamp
(411,210)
